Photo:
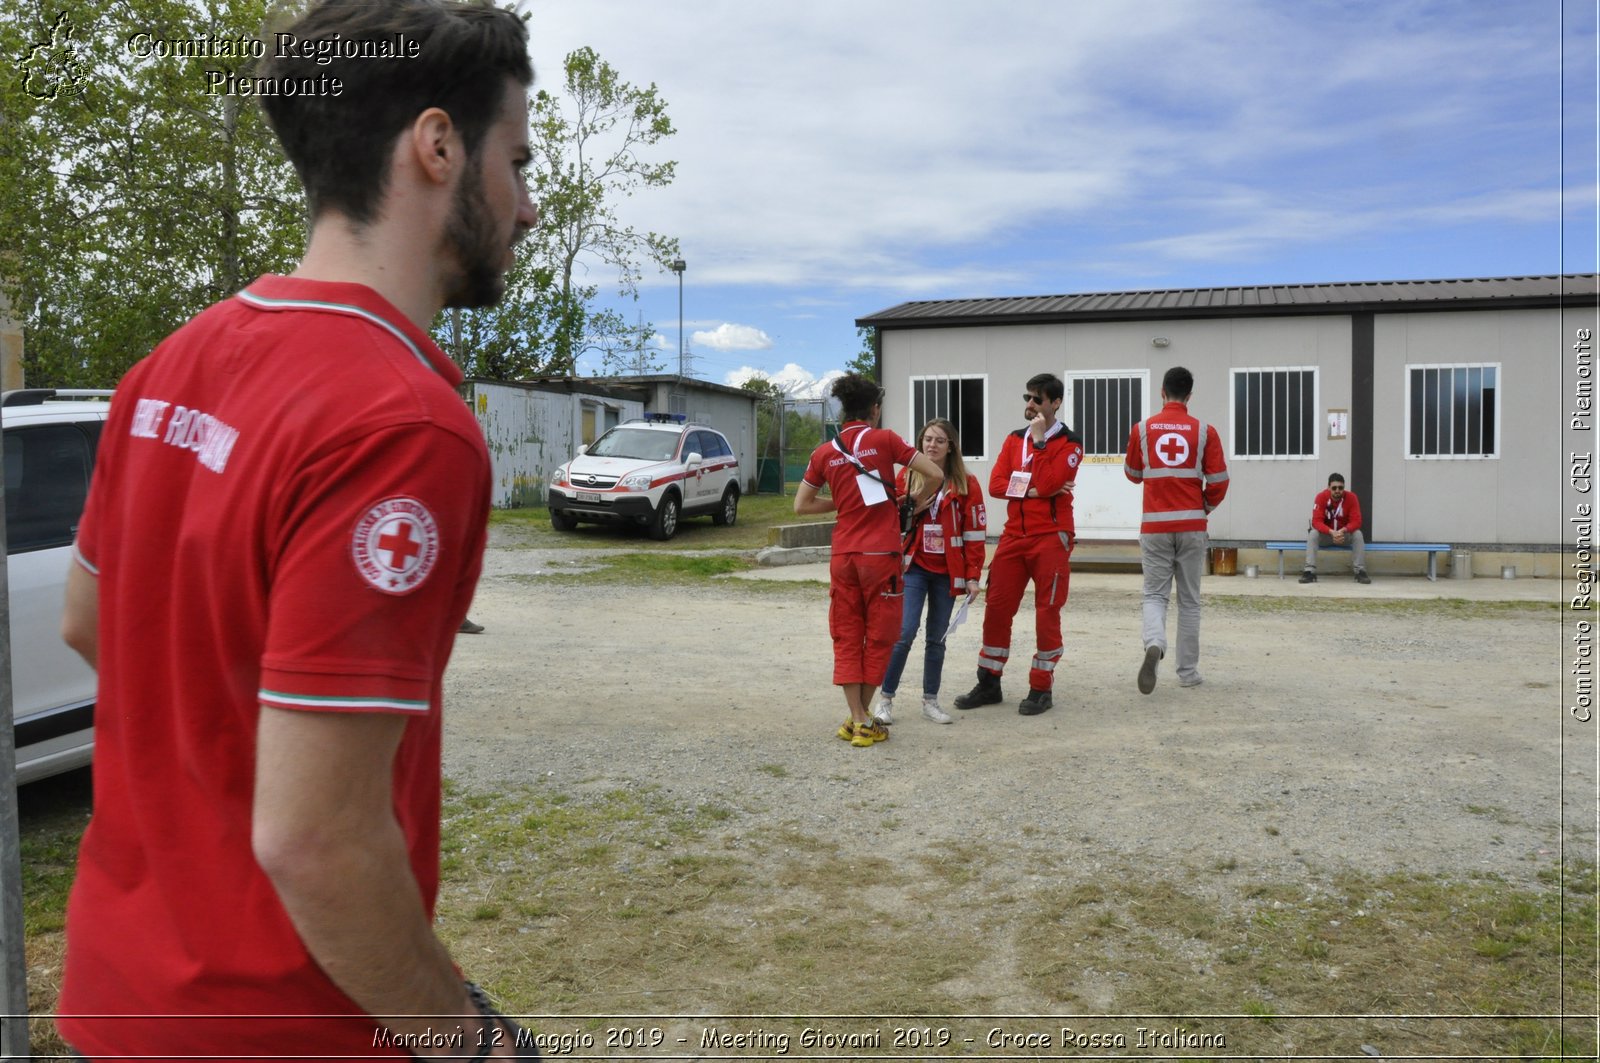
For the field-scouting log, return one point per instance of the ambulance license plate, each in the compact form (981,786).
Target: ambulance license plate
(588,496)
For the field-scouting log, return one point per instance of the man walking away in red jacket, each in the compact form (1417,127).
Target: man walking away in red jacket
(1179,461)
(1336,521)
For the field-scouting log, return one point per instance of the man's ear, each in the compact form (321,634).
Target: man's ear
(435,145)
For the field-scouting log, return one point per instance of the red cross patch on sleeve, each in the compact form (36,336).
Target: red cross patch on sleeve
(396,545)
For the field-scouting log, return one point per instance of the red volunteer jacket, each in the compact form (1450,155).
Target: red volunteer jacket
(1328,516)
(1049,468)
(1179,461)
(963,524)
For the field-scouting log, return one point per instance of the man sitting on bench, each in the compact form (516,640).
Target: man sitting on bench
(1336,521)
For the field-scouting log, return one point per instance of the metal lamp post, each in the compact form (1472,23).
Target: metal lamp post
(678,266)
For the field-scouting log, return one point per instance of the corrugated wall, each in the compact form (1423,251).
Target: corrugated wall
(530,433)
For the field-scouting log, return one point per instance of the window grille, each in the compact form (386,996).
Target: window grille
(1275,413)
(959,400)
(1452,411)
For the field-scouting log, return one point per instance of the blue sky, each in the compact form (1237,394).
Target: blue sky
(837,158)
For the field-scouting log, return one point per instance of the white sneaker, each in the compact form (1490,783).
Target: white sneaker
(883,711)
(932,711)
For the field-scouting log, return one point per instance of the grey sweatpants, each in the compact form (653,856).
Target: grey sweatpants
(1354,540)
(1174,559)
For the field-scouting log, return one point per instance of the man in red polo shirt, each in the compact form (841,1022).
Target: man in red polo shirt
(864,595)
(1179,462)
(285,527)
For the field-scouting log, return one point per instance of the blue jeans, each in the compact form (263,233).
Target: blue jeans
(934,588)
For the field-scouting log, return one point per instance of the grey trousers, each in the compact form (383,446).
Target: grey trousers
(1355,540)
(1174,559)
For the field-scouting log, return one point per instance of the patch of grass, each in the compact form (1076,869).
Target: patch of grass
(626,902)
(51,814)
(529,528)
(1358,945)
(777,771)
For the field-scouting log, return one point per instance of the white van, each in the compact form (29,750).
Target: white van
(50,441)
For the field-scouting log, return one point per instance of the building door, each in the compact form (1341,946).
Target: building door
(1102,407)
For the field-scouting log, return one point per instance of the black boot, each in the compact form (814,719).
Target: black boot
(987,692)
(1036,702)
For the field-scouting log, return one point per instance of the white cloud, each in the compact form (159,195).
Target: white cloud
(730,337)
(853,145)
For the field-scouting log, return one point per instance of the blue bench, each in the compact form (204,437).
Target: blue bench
(1433,550)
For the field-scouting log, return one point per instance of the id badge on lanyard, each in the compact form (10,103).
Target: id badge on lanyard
(933,538)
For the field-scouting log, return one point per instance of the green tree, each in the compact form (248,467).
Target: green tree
(589,143)
(866,360)
(802,433)
(624,350)
(766,414)
(131,198)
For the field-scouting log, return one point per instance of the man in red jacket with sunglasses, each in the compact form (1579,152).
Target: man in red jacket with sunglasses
(1035,474)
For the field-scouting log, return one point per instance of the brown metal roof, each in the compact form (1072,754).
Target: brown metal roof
(1482,293)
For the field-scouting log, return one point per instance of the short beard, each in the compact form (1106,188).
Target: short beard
(470,236)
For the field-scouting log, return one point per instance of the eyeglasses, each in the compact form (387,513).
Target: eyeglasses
(1037,400)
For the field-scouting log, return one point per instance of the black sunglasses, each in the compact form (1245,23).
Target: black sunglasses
(1037,399)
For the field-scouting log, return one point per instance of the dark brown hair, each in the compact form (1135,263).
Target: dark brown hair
(1178,384)
(857,396)
(340,145)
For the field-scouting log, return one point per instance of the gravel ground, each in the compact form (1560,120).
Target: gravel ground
(1320,741)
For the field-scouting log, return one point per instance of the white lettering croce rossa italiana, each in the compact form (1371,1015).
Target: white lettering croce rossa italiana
(210,439)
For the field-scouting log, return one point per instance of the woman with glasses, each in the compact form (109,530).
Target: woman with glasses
(944,559)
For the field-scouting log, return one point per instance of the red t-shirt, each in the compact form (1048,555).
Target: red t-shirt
(861,528)
(289,508)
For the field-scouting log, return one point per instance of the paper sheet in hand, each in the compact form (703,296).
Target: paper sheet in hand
(955,621)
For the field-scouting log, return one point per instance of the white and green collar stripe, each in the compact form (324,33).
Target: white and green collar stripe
(331,703)
(336,308)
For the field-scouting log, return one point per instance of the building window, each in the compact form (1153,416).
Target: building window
(1275,413)
(1452,411)
(1104,410)
(959,400)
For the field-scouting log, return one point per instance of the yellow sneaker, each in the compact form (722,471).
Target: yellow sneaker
(847,730)
(869,733)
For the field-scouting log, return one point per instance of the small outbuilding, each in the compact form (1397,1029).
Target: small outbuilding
(1441,402)
(536,425)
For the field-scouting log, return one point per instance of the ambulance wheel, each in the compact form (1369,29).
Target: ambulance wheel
(728,511)
(561,520)
(664,523)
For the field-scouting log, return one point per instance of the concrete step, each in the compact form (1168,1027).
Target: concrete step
(1105,555)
